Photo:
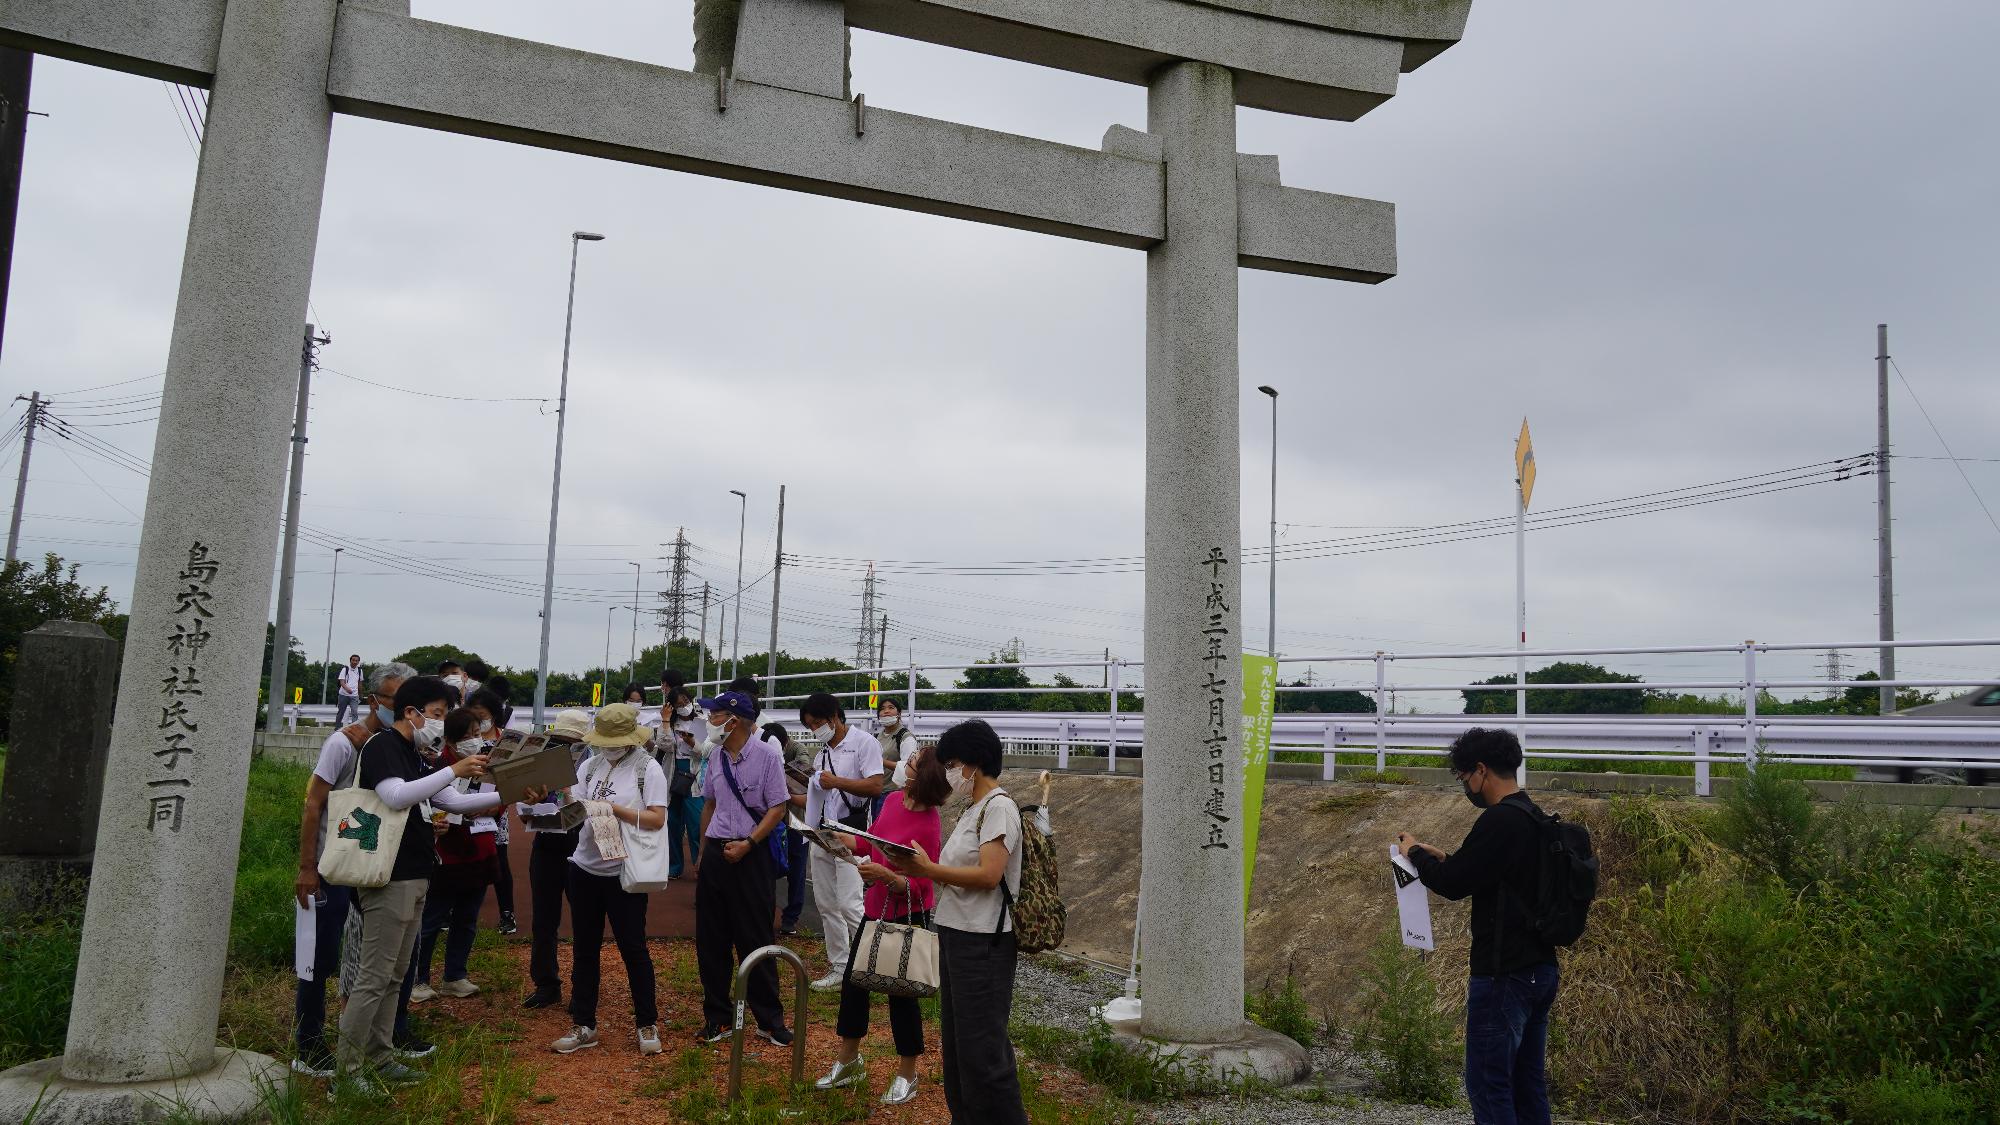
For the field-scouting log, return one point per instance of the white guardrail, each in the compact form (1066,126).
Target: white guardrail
(1894,741)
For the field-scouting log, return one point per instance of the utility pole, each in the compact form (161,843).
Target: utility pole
(701,643)
(777,580)
(632,668)
(1885,557)
(882,646)
(281,635)
(576,239)
(35,406)
(604,673)
(742,523)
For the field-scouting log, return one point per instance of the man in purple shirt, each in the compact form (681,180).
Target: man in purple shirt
(735,896)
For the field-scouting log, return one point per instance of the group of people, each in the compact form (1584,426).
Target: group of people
(723,787)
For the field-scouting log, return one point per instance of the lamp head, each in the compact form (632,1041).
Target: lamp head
(1272,391)
(735,492)
(586,236)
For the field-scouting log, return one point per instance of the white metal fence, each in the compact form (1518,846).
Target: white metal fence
(1699,740)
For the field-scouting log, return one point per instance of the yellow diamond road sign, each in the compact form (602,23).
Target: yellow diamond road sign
(1524,464)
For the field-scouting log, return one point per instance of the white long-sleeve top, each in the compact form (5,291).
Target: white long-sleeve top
(436,788)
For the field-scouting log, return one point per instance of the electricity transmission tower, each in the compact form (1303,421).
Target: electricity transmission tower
(674,611)
(1836,671)
(864,642)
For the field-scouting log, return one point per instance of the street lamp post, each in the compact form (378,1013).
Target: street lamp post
(742,518)
(1272,638)
(326,664)
(604,673)
(632,671)
(555,485)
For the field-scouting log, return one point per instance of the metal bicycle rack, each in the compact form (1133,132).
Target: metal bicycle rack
(798,1017)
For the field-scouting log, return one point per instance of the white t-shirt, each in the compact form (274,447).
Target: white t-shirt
(339,764)
(858,756)
(621,784)
(350,680)
(961,908)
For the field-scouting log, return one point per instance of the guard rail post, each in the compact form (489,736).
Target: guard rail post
(1111,742)
(1704,742)
(1329,739)
(799,1021)
(1750,706)
(1381,721)
(1062,746)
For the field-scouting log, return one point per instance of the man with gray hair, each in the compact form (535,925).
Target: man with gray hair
(339,762)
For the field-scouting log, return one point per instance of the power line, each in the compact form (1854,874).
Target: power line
(429,394)
(1939,434)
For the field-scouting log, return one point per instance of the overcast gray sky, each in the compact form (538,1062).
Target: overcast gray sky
(1662,233)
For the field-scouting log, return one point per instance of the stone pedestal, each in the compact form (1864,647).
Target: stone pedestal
(237,1086)
(1192,883)
(64,683)
(1256,1054)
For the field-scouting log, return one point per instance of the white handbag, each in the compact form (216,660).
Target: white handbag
(896,959)
(363,835)
(647,864)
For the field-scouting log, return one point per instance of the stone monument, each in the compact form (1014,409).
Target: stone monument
(64,682)
(782,113)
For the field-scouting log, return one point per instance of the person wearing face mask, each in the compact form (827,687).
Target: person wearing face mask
(339,760)
(391,914)
(977,874)
(467,854)
(629,781)
(548,871)
(745,799)
(684,730)
(1513,972)
(899,745)
(849,769)
(490,710)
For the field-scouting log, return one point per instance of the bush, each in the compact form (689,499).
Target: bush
(1412,1043)
(1910,1095)
(1285,1012)
(267,861)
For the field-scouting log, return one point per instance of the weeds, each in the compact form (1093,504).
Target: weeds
(1379,777)
(1411,1042)
(1352,801)
(38,951)
(1285,1012)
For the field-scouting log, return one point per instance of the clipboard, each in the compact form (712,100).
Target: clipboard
(887,847)
(535,765)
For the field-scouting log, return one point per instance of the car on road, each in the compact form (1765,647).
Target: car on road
(1981,704)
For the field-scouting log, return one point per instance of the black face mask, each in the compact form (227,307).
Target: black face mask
(1477,798)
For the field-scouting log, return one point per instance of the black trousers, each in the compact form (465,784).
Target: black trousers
(594,900)
(976,995)
(548,877)
(906,1014)
(503,881)
(733,903)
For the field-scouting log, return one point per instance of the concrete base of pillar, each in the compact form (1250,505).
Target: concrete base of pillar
(1259,1054)
(239,1087)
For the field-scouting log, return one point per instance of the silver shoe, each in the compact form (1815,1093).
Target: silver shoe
(843,1074)
(900,1091)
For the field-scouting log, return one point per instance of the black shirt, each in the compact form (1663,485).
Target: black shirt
(388,754)
(1501,853)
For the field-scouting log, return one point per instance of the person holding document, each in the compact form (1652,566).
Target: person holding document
(849,765)
(909,817)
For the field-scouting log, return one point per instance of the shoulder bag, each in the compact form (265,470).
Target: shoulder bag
(896,958)
(776,840)
(363,835)
(646,860)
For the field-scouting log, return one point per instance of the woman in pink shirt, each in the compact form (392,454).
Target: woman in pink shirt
(908,817)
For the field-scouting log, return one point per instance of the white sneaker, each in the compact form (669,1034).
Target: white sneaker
(460,988)
(577,1039)
(828,983)
(843,1074)
(422,992)
(900,1091)
(649,1040)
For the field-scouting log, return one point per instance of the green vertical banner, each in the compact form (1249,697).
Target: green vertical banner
(1260,699)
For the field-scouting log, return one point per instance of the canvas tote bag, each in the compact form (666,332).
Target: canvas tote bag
(896,959)
(363,835)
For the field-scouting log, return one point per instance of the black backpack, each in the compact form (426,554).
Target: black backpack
(1565,877)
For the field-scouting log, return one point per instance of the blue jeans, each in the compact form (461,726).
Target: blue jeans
(1506,1043)
(683,824)
(796,849)
(453,911)
(309,999)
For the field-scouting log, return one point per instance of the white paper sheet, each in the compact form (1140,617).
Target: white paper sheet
(305,937)
(815,802)
(1413,904)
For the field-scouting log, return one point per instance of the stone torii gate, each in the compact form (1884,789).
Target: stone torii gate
(780,114)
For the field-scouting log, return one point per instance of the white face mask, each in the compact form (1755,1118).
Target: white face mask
(961,781)
(485,726)
(471,746)
(891,721)
(430,734)
(685,710)
(716,733)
